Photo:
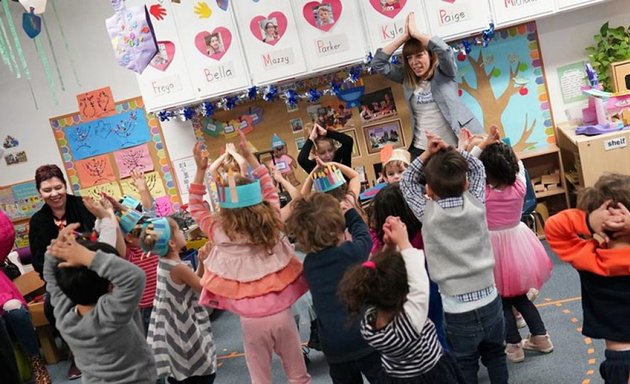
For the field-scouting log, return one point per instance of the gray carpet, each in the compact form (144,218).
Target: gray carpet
(574,360)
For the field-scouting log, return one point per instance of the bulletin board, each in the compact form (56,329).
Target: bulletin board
(20,201)
(504,84)
(128,139)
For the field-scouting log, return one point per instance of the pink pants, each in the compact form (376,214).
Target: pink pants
(276,333)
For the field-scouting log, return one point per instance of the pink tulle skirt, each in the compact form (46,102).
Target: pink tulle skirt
(521,261)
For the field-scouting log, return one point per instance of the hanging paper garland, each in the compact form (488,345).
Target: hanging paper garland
(16,42)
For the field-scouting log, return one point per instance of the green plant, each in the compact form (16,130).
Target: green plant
(611,45)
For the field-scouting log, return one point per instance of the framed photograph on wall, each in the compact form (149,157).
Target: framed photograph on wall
(297,125)
(388,132)
(299,143)
(377,105)
(356,152)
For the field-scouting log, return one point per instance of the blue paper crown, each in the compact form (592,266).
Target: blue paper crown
(162,231)
(276,141)
(130,202)
(128,219)
(328,178)
(240,196)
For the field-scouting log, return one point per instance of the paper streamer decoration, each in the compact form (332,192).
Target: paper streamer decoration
(95,170)
(16,41)
(133,158)
(65,44)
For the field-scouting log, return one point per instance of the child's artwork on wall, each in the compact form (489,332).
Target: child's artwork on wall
(108,170)
(509,11)
(385,19)
(504,84)
(15,158)
(377,105)
(20,201)
(123,130)
(376,136)
(96,104)
(449,18)
(165,82)
(212,47)
(297,125)
(328,32)
(269,32)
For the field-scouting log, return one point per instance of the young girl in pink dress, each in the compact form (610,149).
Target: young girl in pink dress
(521,261)
(252,269)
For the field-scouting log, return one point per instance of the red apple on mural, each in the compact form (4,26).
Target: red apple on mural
(461,56)
(523,91)
(460,92)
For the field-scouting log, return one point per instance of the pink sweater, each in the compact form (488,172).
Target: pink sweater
(8,290)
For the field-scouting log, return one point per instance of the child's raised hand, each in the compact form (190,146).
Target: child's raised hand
(201,156)
(138,180)
(435,143)
(95,207)
(464,138)
(396,232)
(66,248)
(277,176)
(493,137)
(619,221)
(597,218)
(118,207)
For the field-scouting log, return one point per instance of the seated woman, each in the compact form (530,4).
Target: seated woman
(14,311)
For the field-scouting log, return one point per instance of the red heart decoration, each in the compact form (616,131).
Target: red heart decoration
(258,27)
(164,57)
(322,15)
(220,37)
(389,8)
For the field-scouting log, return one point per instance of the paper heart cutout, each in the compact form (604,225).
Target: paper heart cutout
(214,44)
(449,1)
(259,24)
(164,57)
(322,15)
(223,4)
(389,8)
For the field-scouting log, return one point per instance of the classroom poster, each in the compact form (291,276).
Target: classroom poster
(269,32)
(328,32)
(450,18)
(20,201)
(572,78)
(165,82)
(504,84)
(385,20)
(212,47)
(510,11)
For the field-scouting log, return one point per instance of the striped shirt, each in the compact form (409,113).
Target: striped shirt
(408,345)
(148,264)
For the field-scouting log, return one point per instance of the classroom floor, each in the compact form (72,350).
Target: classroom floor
(575,359)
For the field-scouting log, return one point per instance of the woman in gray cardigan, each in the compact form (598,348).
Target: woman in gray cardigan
(427,74)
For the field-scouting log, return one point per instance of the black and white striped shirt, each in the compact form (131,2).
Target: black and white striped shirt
(408,345)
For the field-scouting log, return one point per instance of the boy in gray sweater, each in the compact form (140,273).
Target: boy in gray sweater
(95,295)
(451,207)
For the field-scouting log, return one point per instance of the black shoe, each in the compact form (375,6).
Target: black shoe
(313,341)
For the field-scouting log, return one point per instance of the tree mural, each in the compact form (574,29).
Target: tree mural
(510,91)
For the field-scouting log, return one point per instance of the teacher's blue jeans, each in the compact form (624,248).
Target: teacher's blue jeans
(475,334)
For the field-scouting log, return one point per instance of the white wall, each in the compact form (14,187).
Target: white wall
(562,39)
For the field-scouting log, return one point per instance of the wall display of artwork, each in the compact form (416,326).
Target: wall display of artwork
(377,105)
(166,81)
(106,168)
(269,32)
(450,18)
(378,135)
(20,201)
(512,11)
(212,47)
(385,20)
(328,32)
(504,84)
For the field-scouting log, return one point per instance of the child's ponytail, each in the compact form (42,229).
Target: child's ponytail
(380,282)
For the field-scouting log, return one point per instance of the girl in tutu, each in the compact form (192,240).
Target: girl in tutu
(521,261)
(252,269)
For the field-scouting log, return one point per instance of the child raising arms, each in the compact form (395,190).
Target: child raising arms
(252,269)
(604,268)
(177,316)
(395,287)
(521,261)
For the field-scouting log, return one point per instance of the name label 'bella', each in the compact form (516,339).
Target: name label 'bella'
(219,72)
(274,60)
(166,85)
(331,45)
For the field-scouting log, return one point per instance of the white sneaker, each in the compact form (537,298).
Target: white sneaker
(532,294)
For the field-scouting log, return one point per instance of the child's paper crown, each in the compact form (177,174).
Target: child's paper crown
(328,178)
(388,153)
(276,141)
(128,219)
(160,228)
(130,202)
(239,196)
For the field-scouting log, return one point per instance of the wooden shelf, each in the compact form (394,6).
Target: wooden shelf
(551,148)
(553,192)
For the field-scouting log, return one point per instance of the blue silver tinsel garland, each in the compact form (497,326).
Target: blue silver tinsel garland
(290,95)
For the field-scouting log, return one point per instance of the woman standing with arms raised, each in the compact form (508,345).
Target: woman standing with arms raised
(428,75)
